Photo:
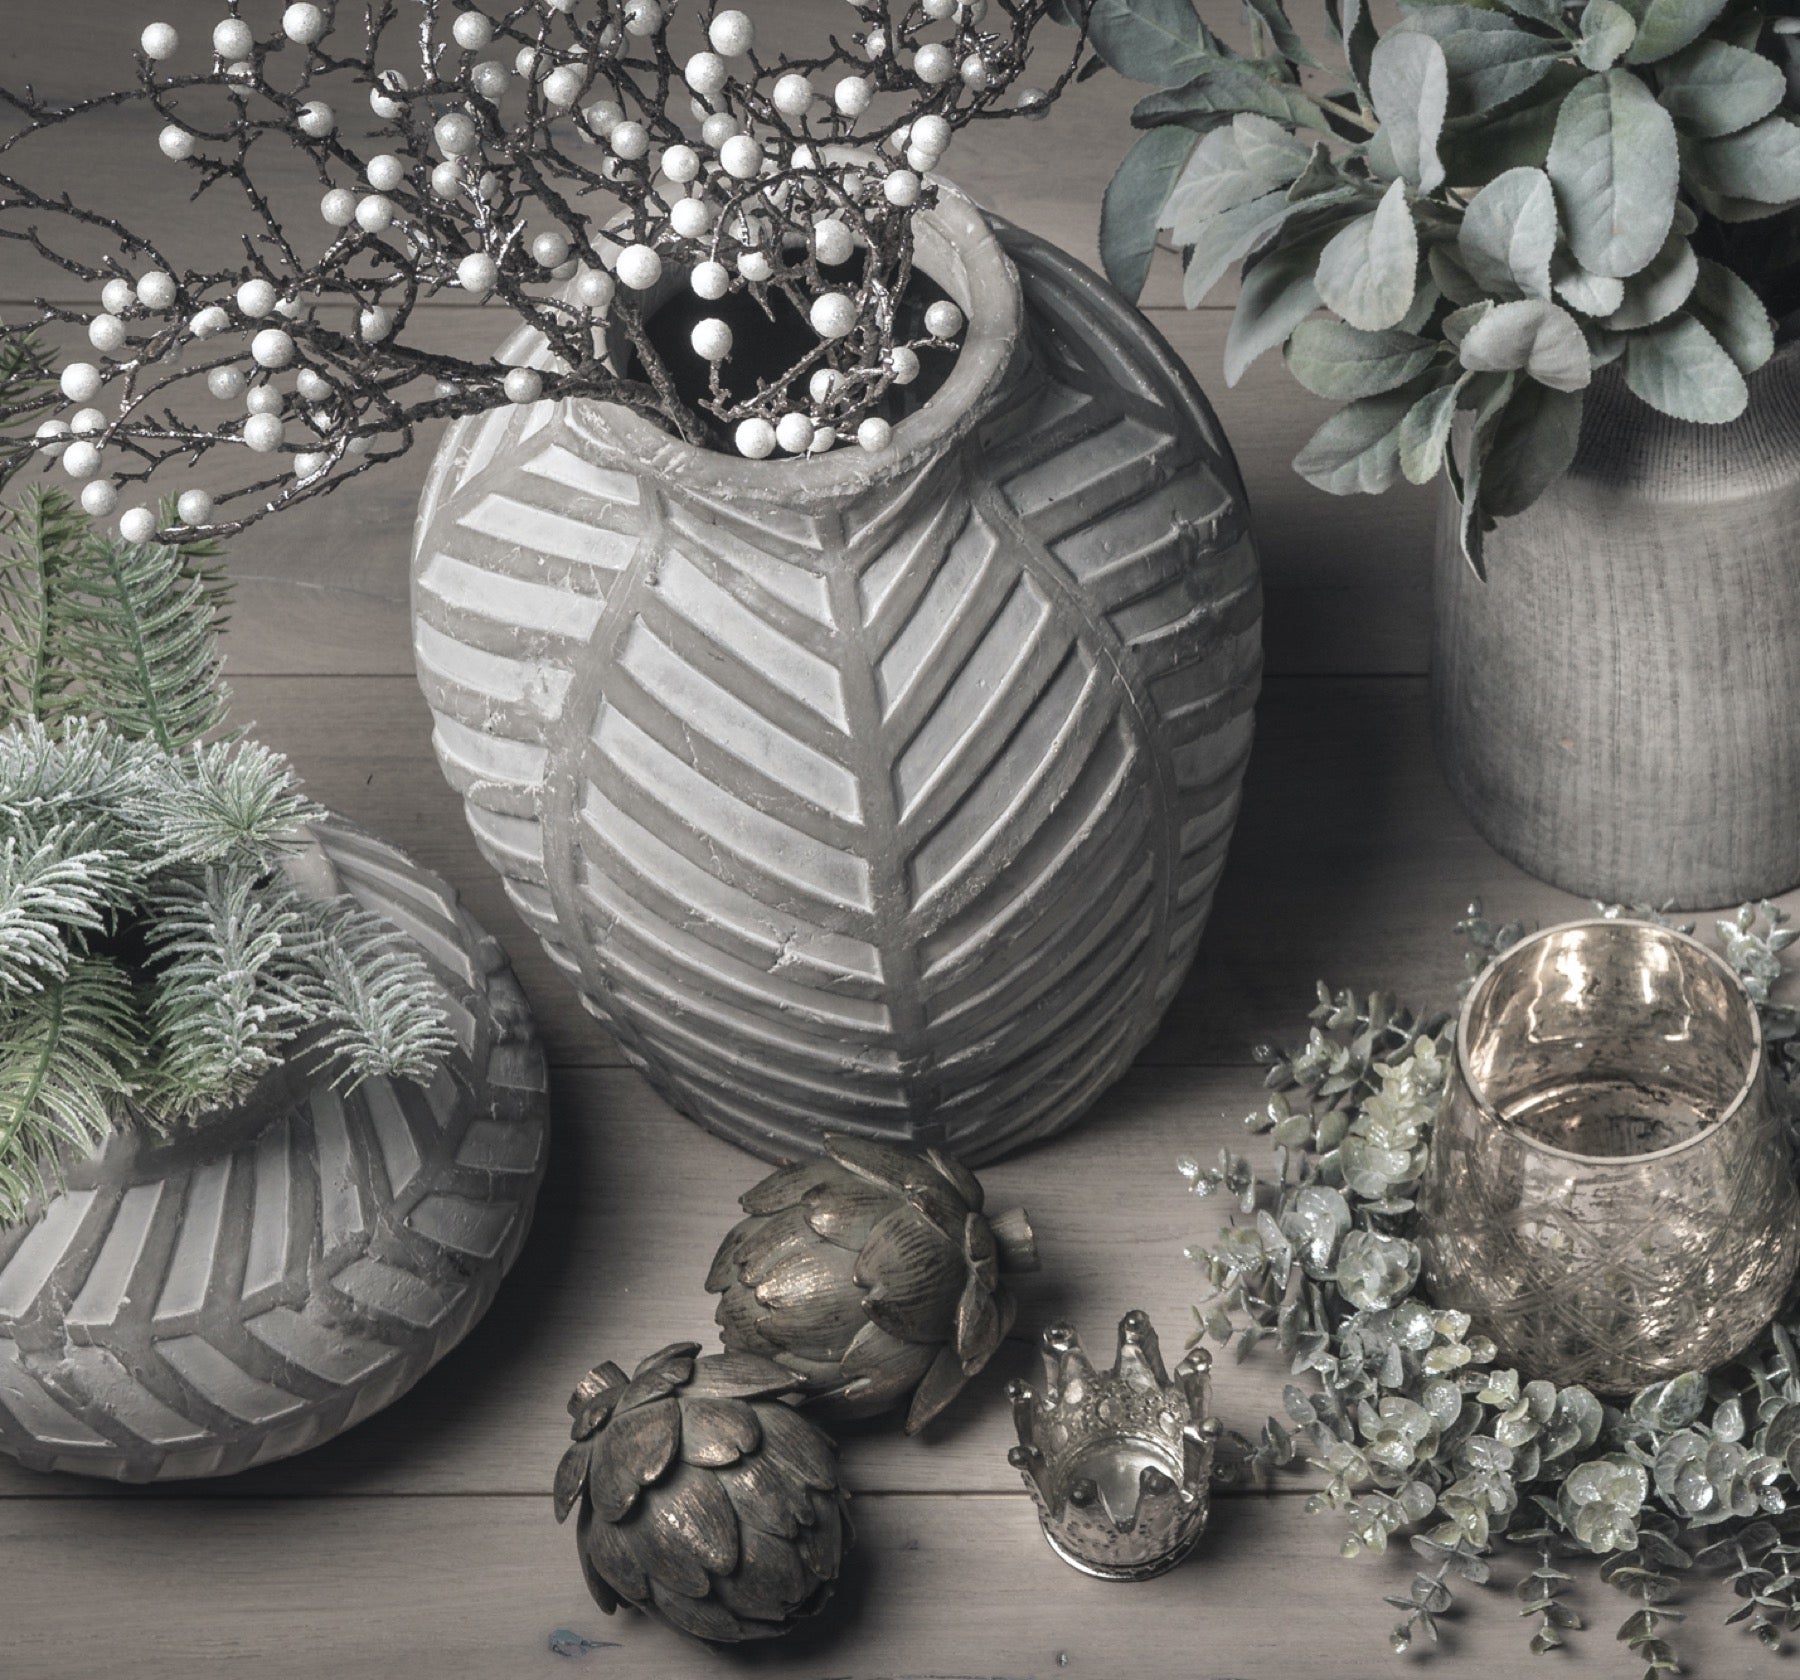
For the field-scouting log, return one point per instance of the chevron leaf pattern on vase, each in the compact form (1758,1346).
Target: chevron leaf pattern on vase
(882,799)
(195,1305)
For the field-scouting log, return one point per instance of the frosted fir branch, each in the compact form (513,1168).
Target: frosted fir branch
(381,1008)
(223,801)
(556,159)
(54,895)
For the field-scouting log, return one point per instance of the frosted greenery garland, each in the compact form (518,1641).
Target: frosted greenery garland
(1415,1427)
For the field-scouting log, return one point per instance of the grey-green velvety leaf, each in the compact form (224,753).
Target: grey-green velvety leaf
(1359,40)
(1490,59)
(1228,85)
(1336,361)
(1539,11)
(1476,149)
(1322,174)
(1607,29)
(1276,294)
(1590,294)
(1368,271)
(1458,323)
(1268,148)
(1449,275)
(1734,315)
(1488,394)
(1713,89)
(1658,290)
(1680,369)
(1358,448)
(1282,33)
(1154,41)
(1666,26)
(1409,84)
(1218,241)
(1615,165)
(1532,336)
(1215,178)
(1508,234)
(1532,445)
(1761,164)
(1133,203)
(1425,434)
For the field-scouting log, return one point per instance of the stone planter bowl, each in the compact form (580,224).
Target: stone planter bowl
(241,1291)
(882,794)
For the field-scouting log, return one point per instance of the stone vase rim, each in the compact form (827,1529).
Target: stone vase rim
(1492,1116)
(956,247)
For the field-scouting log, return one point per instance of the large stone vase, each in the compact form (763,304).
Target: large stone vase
(257,1282)
(883,794)
(1618,706)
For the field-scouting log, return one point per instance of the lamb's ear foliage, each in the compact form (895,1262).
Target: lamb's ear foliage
(155,959)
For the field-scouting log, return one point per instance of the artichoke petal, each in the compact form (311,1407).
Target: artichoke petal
(876,1162)
(724,1269)
(784,1187)
(658,1376)
(738,1376)
(913,1274)
(982,1251)
(741,1319)
(845,1210)
(571,1477)
(770,1582)
(608,1562)
(977,1326)
(814,1306)
(796,1446)
(716,1432)
(595,1396)
(892,1364)
(942,1383)
(693,1520)
(702,1617)
(966,1185)
(764,1497)
(773,1241)
(631,1452)
(821,1542)
(948,1212)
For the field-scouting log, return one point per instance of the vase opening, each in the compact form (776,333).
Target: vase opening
(766,345)
(1609,1041)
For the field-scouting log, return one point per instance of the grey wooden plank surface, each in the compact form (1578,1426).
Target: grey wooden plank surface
(936,1589)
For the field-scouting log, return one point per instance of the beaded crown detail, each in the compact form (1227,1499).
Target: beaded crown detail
(1119,1461)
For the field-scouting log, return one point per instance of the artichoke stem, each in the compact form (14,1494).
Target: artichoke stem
(1015,1240)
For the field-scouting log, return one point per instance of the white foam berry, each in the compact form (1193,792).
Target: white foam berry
(595,288)
(226,383)
(691,217)
(943,319)
(255,299)
(477,272)
(490,79)
(853,95)
(930,133)
(710,280)
(81,460)
(901,189)
(731,33)
(175,143)
(99,498)
(977,75)
(755,439)
(375,214)
(643,18)
(629,140)
(272,348)
(159,40)
(232,39)
(80,382)
(209,322)
(316,119)
(718,128)
(874,433)
(385,172)
(303,22)
(741,157)
(264,399)
(472,30)
(563,86)
(137,525)
(638,267)
(794,432)
(523,385)
(116,296)
(106,333)
(194,507)
(447,179)
(792,95)
(833,242)
(711,339)
(934,64)
(755,265)
(338,207)
(833,315)
(903,364)
(374,325)
(706,73)
(455,134)
(550,249)
(312,386)
(264,433)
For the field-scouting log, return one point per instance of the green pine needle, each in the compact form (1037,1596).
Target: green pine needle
(53,895)
(65,1058)
(375,996)
(222,800)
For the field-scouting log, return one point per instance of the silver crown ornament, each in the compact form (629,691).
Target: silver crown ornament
(1119,1461)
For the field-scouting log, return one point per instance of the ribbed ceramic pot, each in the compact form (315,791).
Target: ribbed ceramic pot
(1618,706)
(244,1289)
(883,794)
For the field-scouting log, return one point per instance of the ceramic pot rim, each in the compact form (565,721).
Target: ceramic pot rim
(958,249)
(1492,1116)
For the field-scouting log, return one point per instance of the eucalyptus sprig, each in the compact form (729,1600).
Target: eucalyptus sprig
(1402,1407)
(1490,202)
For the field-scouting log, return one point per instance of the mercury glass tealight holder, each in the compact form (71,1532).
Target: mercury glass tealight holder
(1610,1195)
(1119,1461)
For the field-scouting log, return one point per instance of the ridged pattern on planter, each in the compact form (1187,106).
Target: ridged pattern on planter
(229,1297)
(901,816)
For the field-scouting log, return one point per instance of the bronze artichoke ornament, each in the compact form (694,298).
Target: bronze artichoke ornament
(705,1499)
(874,1275)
